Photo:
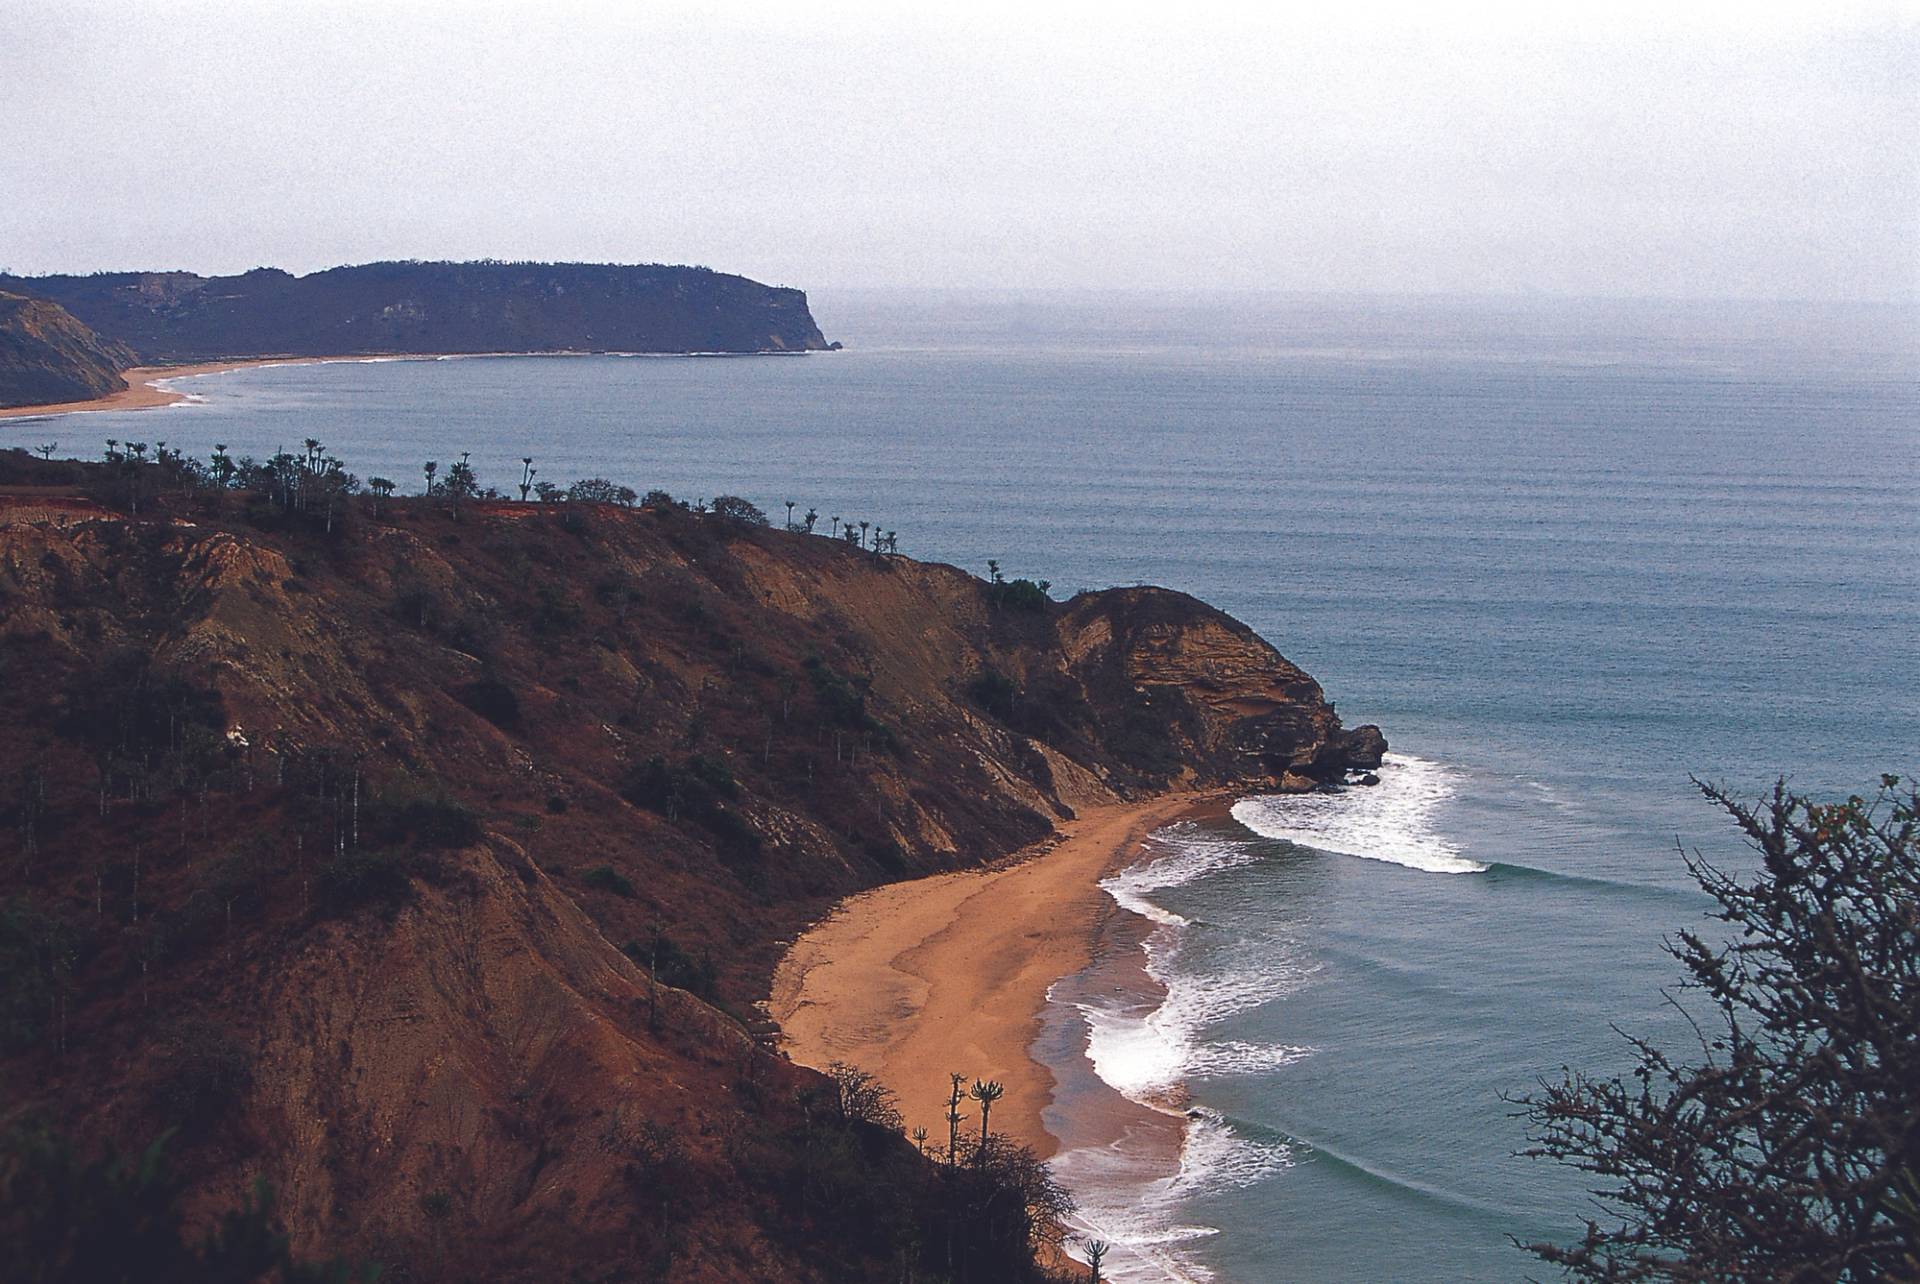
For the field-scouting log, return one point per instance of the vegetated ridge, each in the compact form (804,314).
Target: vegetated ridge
(419,307)
(46,356)
(425,857)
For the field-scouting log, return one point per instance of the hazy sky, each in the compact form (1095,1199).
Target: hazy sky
(1673,149)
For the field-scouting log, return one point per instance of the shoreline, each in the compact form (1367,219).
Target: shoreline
(954,972)
(143,390)
(144,393)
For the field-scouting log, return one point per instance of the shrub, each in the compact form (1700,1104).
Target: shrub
(862,1099)
(554,610)
(694,789)
(732,508)
(994,691)
(598,490)
(674,966)
(1019,595)
(493,700)
(424,815)
(359,878)
(843,700)
(605,878)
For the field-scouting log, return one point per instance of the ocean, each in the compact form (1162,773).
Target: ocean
(1566,554)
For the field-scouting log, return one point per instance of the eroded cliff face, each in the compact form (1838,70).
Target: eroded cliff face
(376,843)
(47,356)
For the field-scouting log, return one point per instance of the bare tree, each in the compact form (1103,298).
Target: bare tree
(1788,1146)
(954,1117)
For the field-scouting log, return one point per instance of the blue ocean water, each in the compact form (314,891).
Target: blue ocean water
(1564,553)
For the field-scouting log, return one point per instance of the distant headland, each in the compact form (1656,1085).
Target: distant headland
(69,338)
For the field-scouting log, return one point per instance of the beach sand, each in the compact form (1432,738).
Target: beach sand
(141,394)
(950,973)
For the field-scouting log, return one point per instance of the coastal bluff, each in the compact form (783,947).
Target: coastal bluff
(426,860)
(420,308)
(46,356)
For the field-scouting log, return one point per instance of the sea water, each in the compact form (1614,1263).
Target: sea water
(1566,553)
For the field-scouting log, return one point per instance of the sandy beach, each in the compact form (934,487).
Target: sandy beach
(141,392)
(950,973)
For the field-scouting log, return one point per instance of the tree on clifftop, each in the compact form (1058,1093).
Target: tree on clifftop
(1787,1146)
(735,509)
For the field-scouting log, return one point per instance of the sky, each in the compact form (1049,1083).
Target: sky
(1687,149)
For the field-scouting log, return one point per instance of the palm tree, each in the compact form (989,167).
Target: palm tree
(527,470)
(1096,1254)
(835,533)
(789,514)
(863,534)
(986,1094)
(433,466)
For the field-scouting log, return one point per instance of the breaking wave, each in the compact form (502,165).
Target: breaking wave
(1392,821)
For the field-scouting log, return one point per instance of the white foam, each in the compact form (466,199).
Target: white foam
(1147,1053)
(1391,821)
(1135,1208)
(1214,1157)
(1150,1050)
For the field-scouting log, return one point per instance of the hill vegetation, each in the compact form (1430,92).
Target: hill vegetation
(416,307)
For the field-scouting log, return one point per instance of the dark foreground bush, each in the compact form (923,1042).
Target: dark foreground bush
(1786,1145)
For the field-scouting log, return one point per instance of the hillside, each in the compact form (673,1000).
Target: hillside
(426,859)
(412,307)
(46,356)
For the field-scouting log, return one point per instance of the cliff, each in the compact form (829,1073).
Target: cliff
(427,862)
(412,307)
(46,356)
